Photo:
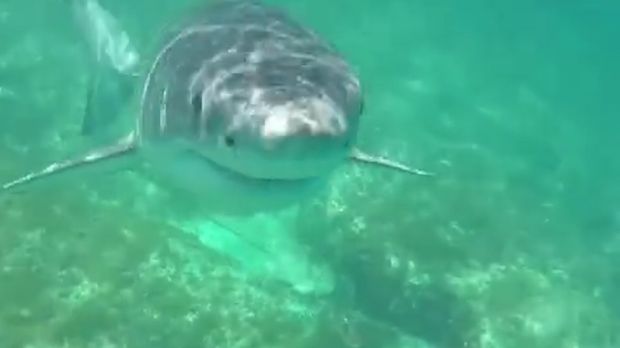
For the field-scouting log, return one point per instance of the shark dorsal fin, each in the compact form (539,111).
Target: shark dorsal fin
(361,157)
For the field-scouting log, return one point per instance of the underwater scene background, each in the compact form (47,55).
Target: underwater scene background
(514,243)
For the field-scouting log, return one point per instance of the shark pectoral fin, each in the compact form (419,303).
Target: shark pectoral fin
(91,161)
(360,157)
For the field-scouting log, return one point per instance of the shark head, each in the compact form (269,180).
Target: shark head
(280,130)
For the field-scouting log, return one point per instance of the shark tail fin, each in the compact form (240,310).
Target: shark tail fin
(90,161)
(361,157)
(113,65)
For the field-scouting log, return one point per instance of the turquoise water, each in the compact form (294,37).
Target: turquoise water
(514,243)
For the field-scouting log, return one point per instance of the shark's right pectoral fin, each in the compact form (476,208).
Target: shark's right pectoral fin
(113,157)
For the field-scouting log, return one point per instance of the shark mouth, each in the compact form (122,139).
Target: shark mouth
(237,175)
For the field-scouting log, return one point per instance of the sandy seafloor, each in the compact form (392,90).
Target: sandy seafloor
(515,242)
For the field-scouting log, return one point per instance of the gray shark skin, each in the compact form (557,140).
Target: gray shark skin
(242,107)
(113,68)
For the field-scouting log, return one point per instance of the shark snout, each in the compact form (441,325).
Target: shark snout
(304,118)
(295,138)
(305,132)
(299,146)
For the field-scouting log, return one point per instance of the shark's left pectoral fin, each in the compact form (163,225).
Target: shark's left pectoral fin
(358,156)
(118,154)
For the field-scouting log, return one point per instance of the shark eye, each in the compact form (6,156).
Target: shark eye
(229,141)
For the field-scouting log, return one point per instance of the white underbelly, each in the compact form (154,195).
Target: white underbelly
(223,191)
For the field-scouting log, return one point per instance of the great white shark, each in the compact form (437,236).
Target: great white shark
(241,106)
